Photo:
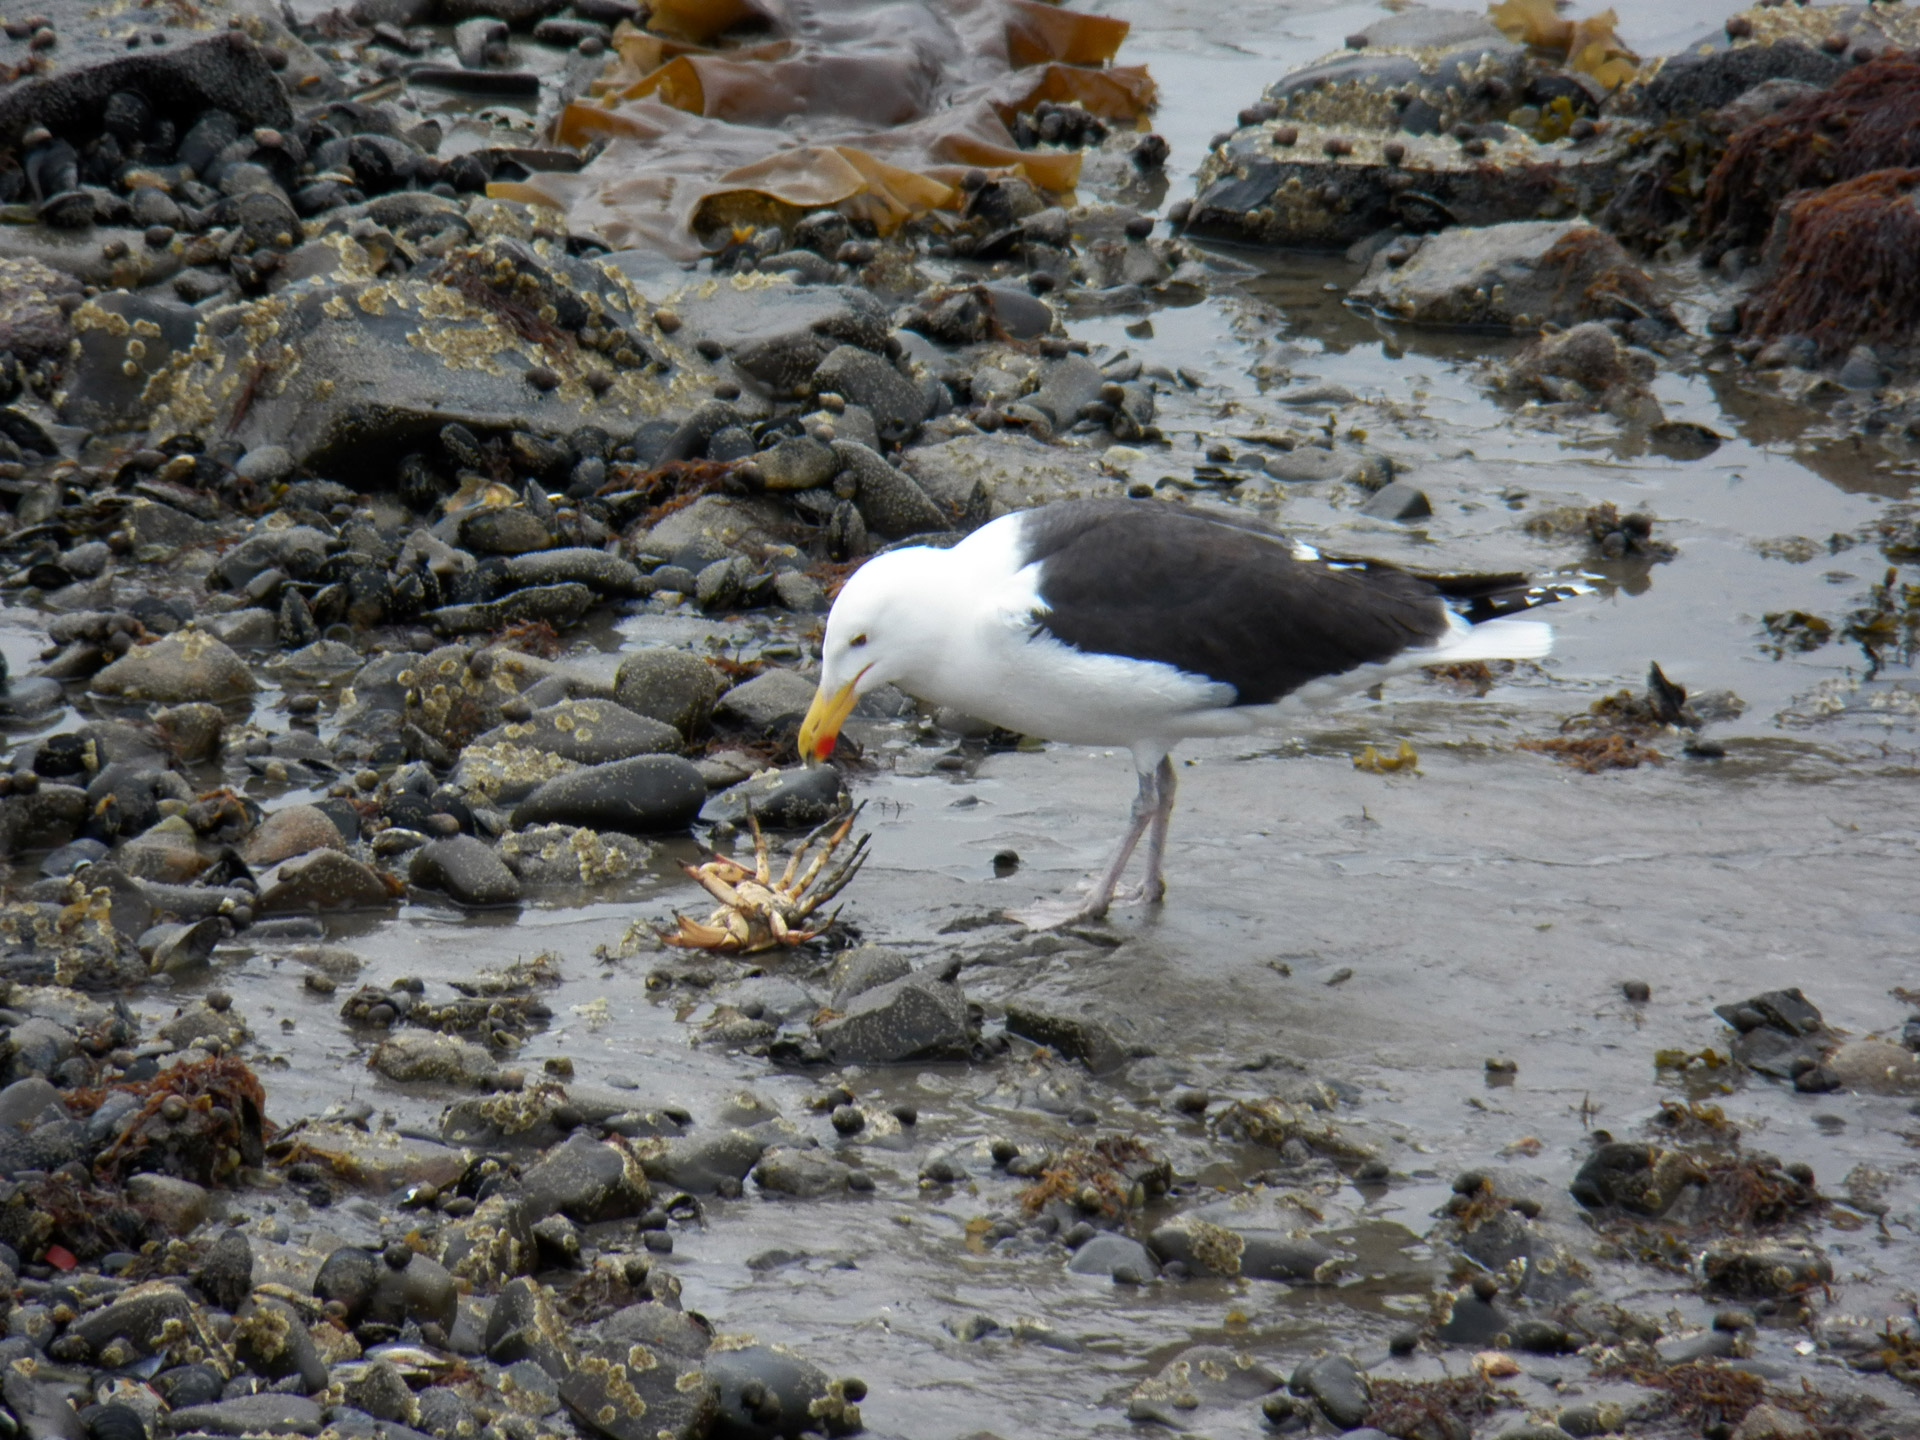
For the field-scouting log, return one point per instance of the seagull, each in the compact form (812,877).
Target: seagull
(1142,623)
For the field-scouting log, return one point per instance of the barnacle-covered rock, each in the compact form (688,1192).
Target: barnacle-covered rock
(506,333)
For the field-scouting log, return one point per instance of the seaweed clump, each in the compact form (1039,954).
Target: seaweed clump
(1111,1176)
(1846,275)
(1432,1409)
(1867,120)
(1709,1398)
(201,1122)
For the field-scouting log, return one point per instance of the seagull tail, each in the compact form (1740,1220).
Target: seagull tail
(1495,640)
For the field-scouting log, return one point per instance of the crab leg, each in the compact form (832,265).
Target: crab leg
(833,843)
(716,887)
(761,870)
(842,877)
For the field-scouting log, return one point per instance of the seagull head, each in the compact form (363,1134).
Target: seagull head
(871,641)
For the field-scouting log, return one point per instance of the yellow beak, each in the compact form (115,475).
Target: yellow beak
(824,718)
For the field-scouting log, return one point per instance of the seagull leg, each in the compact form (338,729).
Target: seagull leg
(1147,808)
(1153,889)
(1146,805)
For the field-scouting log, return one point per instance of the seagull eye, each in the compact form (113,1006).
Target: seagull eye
(856,642)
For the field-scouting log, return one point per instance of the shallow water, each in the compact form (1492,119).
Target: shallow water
(1489,905)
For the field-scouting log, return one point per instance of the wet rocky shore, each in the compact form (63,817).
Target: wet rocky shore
(431,436)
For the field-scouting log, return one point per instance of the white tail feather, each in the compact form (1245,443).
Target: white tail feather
(1493,640)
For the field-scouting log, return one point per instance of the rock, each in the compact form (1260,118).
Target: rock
(779,333)
(187,665)
(1876,1067)
(422,1055)
(555,605)
(1398,501)
(671,686)
(1078,1037)
(201,71)
(639,1377)
(250,1415)
(586,1181)
(797,799)
(525,1325)
(271,1339)
(798,463)
(650,794)
(1770,1422)
(1633,1177)
(1252,1254)
(177,1206)
(1592,1417)
(1585,366)
(290,831)
(1118,1256)
(1339,1387)
(369,387)
(890,503)
(1764,1270)
(1206,1378)
(30,1099)
(1067,387)
(859,970)
(799,592)
(771,699)
(1518,275)
(916,1017)
(574,565)
(754,1384)
(144,1316)
(978,477)
(348,1275)
(503,530)
(321,880)
(378,1389)
(1787,1011)
(589,732)
(466,870)
(703,1163)
(546,855)
(716,526)
(802,1174)
(868,380)
(226,1276)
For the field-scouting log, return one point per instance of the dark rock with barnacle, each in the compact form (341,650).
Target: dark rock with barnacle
(366,385)
(639,1375)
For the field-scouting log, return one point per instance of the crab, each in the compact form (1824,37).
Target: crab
(758,913)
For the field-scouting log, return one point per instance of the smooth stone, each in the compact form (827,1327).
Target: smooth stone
(186,665)
(250,1415)
(466,869)
(1109,1254)
(769,699)
(321,880)
(781,800)
(289,831)
(177,1206)
(896,403)
(649,794)
(1399,501)
(889,500)
(671,686)
(797,463)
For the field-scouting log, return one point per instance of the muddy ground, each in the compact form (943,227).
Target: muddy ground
(1386,935)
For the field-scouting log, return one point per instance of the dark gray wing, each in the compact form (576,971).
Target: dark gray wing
(1218,596)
